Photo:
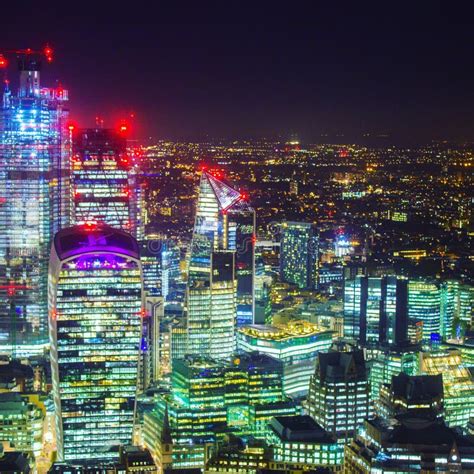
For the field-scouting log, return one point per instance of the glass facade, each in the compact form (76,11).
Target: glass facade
(296,344)
(210,398)
(34,204)
(219,259)
(95,308)
(299,254)
(375,310)
(103,185)
(339,393)
(457,381)
(424,304)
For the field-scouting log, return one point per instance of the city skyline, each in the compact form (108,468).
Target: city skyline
(324,74)
(205,305)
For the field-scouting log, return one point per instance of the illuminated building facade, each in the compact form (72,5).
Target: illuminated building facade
(457,381)
(241,224)
(408,443)
(34,204)
(339,393)
(150,257)
(211,310)
(299,254)
(424,304)
(221,257)
(170,269)
(296,344)
(300,443)
(95,308)
(210,398)
(376,310)
(457,303)
(103,182)
(21,422)
(391,361)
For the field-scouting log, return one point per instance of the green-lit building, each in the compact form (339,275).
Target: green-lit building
(376,310)
(299,254)
(296,343)
(299,442)
(339,393)
(458,384)
(211,398)
(424,304)
(21,422)
(391,361)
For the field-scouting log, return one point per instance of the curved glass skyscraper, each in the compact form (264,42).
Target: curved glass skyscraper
(95,309)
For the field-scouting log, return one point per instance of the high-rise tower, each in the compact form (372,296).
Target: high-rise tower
(34,202)
(220,273)
(103,182)
(95,310)
(376,310)
(299,254)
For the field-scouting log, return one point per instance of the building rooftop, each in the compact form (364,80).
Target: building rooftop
(413,429)
(417,388)
(300,428)
(281,332)
(341,365)
(94,237)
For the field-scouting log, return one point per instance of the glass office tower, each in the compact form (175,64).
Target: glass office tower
(376,310)
(95,309)
(241,222)
(299,254)
(223,235)
(34,204)
(424,304)
(339,393)
(103,182)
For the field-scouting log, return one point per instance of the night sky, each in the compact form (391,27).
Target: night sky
(232,70)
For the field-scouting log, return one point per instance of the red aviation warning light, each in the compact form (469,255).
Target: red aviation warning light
(48,53)
(3,62)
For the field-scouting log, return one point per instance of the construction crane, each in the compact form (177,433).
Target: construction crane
(46,52)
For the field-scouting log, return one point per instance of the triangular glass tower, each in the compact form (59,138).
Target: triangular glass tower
(213,281)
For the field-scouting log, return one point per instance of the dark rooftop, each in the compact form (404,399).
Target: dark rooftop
(335,365)
(300,428)
(417,388)
(14,462)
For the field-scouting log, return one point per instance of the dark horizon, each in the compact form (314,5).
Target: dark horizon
(403,71)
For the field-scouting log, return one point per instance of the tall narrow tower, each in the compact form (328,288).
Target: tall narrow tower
(103,184)
(95,309)
(222,253)
(34,202)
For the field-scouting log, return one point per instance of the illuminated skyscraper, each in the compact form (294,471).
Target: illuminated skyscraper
(375,310)
(34,203)
(170,270)
(95,308)
(339,393)
(241,225)
(424,304)
(299,254)
(223,235)
(103,182)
